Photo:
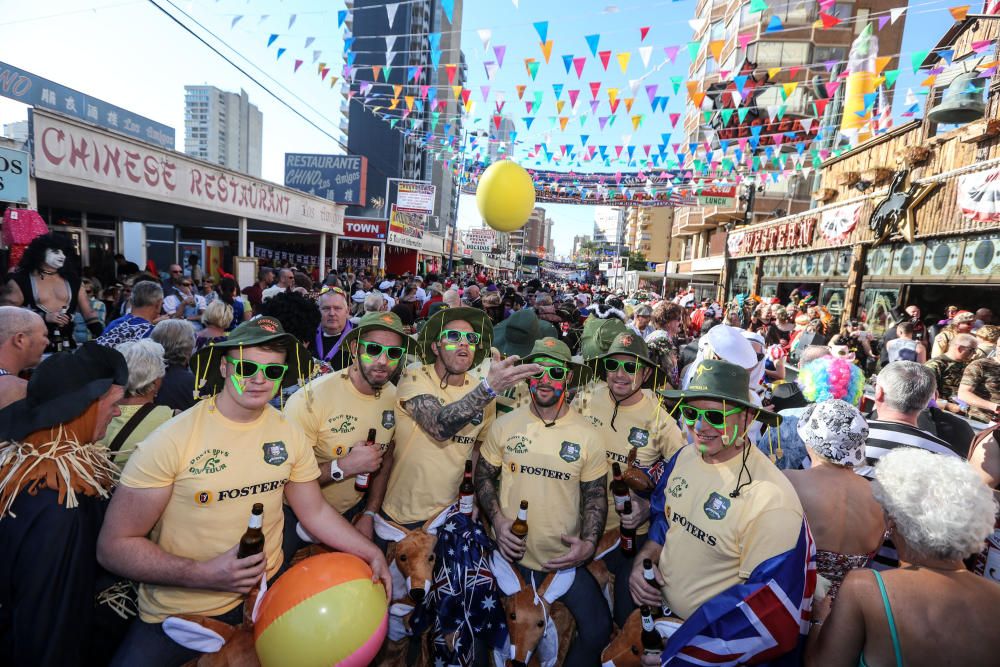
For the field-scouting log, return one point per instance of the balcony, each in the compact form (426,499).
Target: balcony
(690,221)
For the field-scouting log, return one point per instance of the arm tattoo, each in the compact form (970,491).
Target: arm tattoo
(441,422)
(594,508)
(487,479)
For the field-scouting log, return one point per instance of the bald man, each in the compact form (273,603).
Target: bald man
(23,339)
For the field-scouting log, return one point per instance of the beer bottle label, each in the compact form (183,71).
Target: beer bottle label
(465,503)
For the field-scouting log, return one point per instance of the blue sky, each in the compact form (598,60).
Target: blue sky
(128,53)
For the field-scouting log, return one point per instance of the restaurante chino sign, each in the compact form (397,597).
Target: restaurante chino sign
(783,236)
(68,152)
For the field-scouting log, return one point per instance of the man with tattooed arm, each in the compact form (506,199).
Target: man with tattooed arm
(551,456)
(444,408)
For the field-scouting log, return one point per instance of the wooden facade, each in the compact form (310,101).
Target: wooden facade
(935,244)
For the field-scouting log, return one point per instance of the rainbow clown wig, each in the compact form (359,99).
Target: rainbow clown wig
(831,377)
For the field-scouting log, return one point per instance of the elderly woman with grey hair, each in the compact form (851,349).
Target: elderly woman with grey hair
(931,611)
(139,416)
(178,339)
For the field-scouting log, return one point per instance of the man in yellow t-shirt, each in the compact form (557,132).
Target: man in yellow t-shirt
(547,454)
(337,411)
(185,496)
(720,510)
(444,407)
(628,416)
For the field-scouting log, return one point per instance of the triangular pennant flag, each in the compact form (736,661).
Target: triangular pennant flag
(546,50)
(559,105)
(485,90)
(281,52)
(562,122)
(557,89)
(298,64)
(451,70)
(774,25)
(642,33)
(693,48)
(499,52)
(645,52)
(578,64)
(528,120)
(959,13)
(773,72)
(390,13)
(533,68)
(291,19)
(788,89)
(715,48)
(757,6)
(542,28)
(636,120)
(880,63)
(573,94)
(520,91)
(623,60)
(567,62)
(491,69)
(744,39)
(629,101)
(485,35)
(917,58)
(236,20)
(595,86)
(592,42)
(828,20)
(605,57)
(697,24)
(271,40)
(396,90)
(671,53)
(651,94)
(882,20)
(890,77)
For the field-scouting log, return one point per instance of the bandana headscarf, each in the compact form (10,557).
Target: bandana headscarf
(836,431)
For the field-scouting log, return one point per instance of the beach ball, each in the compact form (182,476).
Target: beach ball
(505,196)
(323,611)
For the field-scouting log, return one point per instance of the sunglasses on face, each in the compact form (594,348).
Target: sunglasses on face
(455,336)
(186,284)
(556,373)
(375,350)
(244,369)
(714,417)
(630,367)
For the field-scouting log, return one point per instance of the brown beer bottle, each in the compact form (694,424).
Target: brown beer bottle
(652,643)
(361,479)
(520,525)
(619,490)
(252,541)
(466,492)
(628,534)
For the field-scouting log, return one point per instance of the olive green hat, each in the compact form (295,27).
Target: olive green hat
(382,322)
(553,348)
(479,321)
(631,344)
(257,332)
(719,380)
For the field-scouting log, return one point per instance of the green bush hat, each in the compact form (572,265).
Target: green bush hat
(720,381)
(382,322)
(517,334)
(435,325)
(256,332)
(555,349)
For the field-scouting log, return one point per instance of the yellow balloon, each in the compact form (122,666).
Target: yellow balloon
(505,196)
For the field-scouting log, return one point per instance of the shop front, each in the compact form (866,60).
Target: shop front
(897,227)
(362,246)
(112,194)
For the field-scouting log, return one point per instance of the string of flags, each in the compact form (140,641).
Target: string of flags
(741,134)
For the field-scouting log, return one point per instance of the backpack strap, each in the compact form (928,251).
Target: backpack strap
(130,425)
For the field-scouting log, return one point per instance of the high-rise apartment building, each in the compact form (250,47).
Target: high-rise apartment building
(799,52)
(426,115)
(608,225)
(578,241)
(223,128)
(531,236)
(649,230)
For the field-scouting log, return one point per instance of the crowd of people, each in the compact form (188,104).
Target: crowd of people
(775,488)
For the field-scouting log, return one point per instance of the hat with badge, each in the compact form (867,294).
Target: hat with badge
(378,321)
(718,380)
(438,322)
(260,331)
(626,343)
(553,349)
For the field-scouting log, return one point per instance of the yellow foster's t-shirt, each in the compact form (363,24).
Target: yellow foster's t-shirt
(645,426)
(426,473)
(714,541)
(544,466)
(218,469)
(334,415)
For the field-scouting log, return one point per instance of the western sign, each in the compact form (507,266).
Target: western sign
(339,178)
(361,228)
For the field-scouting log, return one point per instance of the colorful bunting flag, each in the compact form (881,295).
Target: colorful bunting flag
(592,42)
(542,28)
(623,60)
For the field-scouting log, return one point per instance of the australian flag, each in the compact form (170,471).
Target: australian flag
(464,603)
(761,622)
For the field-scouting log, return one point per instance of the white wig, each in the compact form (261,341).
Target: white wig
(940,506)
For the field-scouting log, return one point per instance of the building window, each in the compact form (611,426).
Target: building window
(775,54)
(823,54)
